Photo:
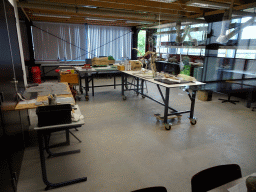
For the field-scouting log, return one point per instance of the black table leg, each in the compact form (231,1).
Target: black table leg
(142,88)
(166,103)
(193,101)
(86,87)
(114,81)
(122,89)
(43,167)
(138,81)
(92,85)
(80,84)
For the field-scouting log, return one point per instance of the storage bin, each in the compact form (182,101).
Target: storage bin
(54,115)
(205,95)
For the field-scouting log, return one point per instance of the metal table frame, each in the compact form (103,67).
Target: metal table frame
(89,76)
(139,89)
(43,139)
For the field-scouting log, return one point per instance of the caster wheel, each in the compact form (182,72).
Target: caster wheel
(87,98)
(167,126)
(192,121)
(124,98)
(143,96)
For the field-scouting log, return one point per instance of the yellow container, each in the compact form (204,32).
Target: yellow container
(121,67)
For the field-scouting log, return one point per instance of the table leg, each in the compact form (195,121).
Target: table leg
(193,101)
(43,167)
(92,85)
(166,103)
(114,81)
(80,84)
(86,87)
(122,89)
(138,85)
(142,88)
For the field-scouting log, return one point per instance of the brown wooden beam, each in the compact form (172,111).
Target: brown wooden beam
(237,8)
(77,15)
(135,5)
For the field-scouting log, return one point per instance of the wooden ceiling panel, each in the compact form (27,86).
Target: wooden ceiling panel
(123,10)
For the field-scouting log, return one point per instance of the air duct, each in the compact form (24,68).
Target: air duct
(224,38)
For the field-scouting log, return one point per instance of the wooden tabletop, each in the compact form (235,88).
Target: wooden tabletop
(29,104)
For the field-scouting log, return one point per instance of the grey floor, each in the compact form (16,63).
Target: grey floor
(124,148)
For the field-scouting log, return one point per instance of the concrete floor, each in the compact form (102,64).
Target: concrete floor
(124,148)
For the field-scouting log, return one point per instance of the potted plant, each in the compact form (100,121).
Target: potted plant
(111,59)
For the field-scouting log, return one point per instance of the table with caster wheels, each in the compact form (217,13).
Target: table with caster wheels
(89,75)
(190,88)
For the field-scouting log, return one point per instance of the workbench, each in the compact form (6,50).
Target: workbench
(139,89)
(29,104)
(89,75)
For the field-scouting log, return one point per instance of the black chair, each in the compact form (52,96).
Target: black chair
(152,189)
(214,177)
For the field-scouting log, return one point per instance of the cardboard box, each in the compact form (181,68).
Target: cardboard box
(136,65)
(100,61)
(69,78)
(111,61)
(204,95)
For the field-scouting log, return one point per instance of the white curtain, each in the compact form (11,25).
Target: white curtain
(53,41)
(108,40)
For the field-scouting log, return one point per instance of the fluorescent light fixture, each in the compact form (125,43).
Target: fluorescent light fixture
(100,19)
(140,22)
(56,16)
(90,6)
(164,1)
(207,4)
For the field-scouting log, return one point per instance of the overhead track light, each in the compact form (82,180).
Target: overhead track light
(207,4)
(56,16)
(140,22)
(100,19)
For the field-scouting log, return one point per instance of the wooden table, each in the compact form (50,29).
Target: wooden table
(26,105)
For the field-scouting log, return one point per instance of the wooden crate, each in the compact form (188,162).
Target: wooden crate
(69,78)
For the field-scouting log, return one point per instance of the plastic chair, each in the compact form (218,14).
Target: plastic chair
(152,189)
(214,177)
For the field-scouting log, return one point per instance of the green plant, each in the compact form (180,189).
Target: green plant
(110,57)
(186,70)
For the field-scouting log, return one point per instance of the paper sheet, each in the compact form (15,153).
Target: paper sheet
(27,102)
(241,187)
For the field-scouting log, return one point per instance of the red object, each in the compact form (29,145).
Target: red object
(86,66)
(36,74)
(57,70)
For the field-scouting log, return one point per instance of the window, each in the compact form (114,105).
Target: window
(245,54)
(229,53)
(141,42)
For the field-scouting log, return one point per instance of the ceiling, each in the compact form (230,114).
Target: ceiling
(140,13)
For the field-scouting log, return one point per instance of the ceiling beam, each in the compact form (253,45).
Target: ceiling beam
(97,12)
(134,5)
(235,8)
(122,6)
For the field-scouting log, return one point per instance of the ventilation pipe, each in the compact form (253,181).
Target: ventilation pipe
(224,38)
(179,38)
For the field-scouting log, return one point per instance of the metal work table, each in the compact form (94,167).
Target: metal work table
(56,66)
(139,88)
(89,75)
(43,139)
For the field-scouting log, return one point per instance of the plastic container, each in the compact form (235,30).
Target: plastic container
(54,115)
